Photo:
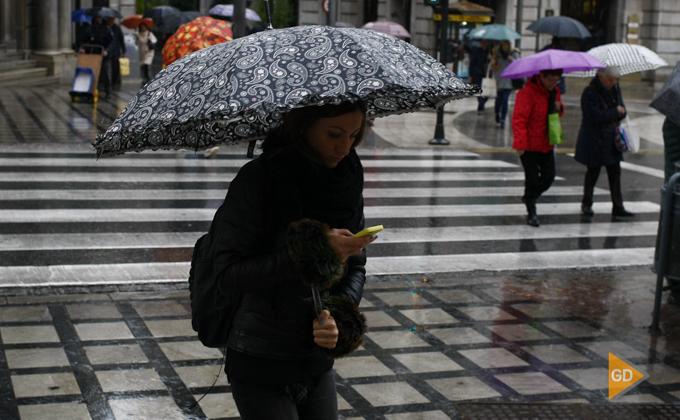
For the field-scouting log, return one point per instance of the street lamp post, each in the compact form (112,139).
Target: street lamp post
(439,136)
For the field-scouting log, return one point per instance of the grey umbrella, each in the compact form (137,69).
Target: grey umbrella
(667,101)
(560,26)
(239,90)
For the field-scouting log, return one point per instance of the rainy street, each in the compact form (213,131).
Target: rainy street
(471,312)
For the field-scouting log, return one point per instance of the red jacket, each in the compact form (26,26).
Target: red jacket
(530,118)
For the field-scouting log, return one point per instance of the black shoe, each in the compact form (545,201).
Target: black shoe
(497,119)
(587,211)
(532,220)
(502,124)
(622,213)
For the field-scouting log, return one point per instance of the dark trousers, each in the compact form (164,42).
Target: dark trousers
(539,173)
(614,175)
(115,71)
(481,100)
(106,75)
(145,74)
(501,105)
(258,401)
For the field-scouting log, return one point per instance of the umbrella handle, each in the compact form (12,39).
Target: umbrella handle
(269,14)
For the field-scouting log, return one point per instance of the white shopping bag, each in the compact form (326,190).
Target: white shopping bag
(633,133)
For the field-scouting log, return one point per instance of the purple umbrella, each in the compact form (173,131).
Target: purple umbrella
(551,60)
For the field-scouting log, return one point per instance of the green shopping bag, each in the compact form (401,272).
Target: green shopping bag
(555,129)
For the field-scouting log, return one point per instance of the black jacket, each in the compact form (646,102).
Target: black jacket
(273,325)
(595,145)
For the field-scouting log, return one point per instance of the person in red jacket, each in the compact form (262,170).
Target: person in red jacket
(538,98)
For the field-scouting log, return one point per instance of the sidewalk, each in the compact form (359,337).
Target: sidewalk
(474,346)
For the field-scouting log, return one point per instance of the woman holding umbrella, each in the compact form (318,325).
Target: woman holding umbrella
(538,98)
(502,57)
(146,41)
(603,109)
(287,225)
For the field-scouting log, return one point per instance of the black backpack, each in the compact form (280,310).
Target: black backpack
(212,312)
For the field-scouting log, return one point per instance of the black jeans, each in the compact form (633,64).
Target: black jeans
(539,174)
(614,175)
(106,75)
(258,401)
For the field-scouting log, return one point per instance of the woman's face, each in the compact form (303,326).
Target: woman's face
(505,46)
(332,138)
(142,27)
(607,81)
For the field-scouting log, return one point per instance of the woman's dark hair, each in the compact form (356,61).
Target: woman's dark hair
(297,121)
(556,72)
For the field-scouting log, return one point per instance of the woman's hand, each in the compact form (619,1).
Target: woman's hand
(520,152)
(558,106)
(621,109)
(345,245)
(325,330)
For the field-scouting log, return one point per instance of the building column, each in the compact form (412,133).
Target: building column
(47,34)
(65,26)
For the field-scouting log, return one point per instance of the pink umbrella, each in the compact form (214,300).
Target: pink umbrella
(551,60)
(389,28)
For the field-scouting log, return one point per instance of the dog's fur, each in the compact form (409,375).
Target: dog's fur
(311,252)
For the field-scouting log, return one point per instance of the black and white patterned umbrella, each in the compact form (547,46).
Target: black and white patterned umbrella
(629,58)
(239,90)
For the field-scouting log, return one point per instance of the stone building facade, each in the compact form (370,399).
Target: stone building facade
(658,21)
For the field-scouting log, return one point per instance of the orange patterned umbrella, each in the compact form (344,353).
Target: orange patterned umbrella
(200,33)
(133,21)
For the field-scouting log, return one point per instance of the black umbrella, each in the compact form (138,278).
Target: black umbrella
(239,90)
(667,101)
(560,26)
(167,18)
(104,12)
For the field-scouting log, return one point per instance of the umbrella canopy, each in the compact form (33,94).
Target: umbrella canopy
(551,60)
(192,14)
(239,90)
(166,18)
(104,12)
(227,10)
(667,101)
(79,16)
(560,26)
(200,33)
(133,21)
(389,28)
(629,58)
(494,31)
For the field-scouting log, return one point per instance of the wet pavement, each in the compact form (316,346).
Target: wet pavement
(437,348)
(472,314)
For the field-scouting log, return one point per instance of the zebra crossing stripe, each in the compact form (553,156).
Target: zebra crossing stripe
(427,264)
(138,177)
(371,212)
(215,194)
(156,240)
(94,274)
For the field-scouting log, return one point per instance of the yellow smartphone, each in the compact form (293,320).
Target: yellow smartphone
(368,231)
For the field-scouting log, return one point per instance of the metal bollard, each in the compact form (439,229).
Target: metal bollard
(667,236)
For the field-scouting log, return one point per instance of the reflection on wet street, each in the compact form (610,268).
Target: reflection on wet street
(435,345)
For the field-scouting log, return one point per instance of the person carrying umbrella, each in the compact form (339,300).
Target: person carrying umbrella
(538,98)
(146,41)
(287,224)
(117,51)
(603,109)
(502,57)
(479,61)
(99,33)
